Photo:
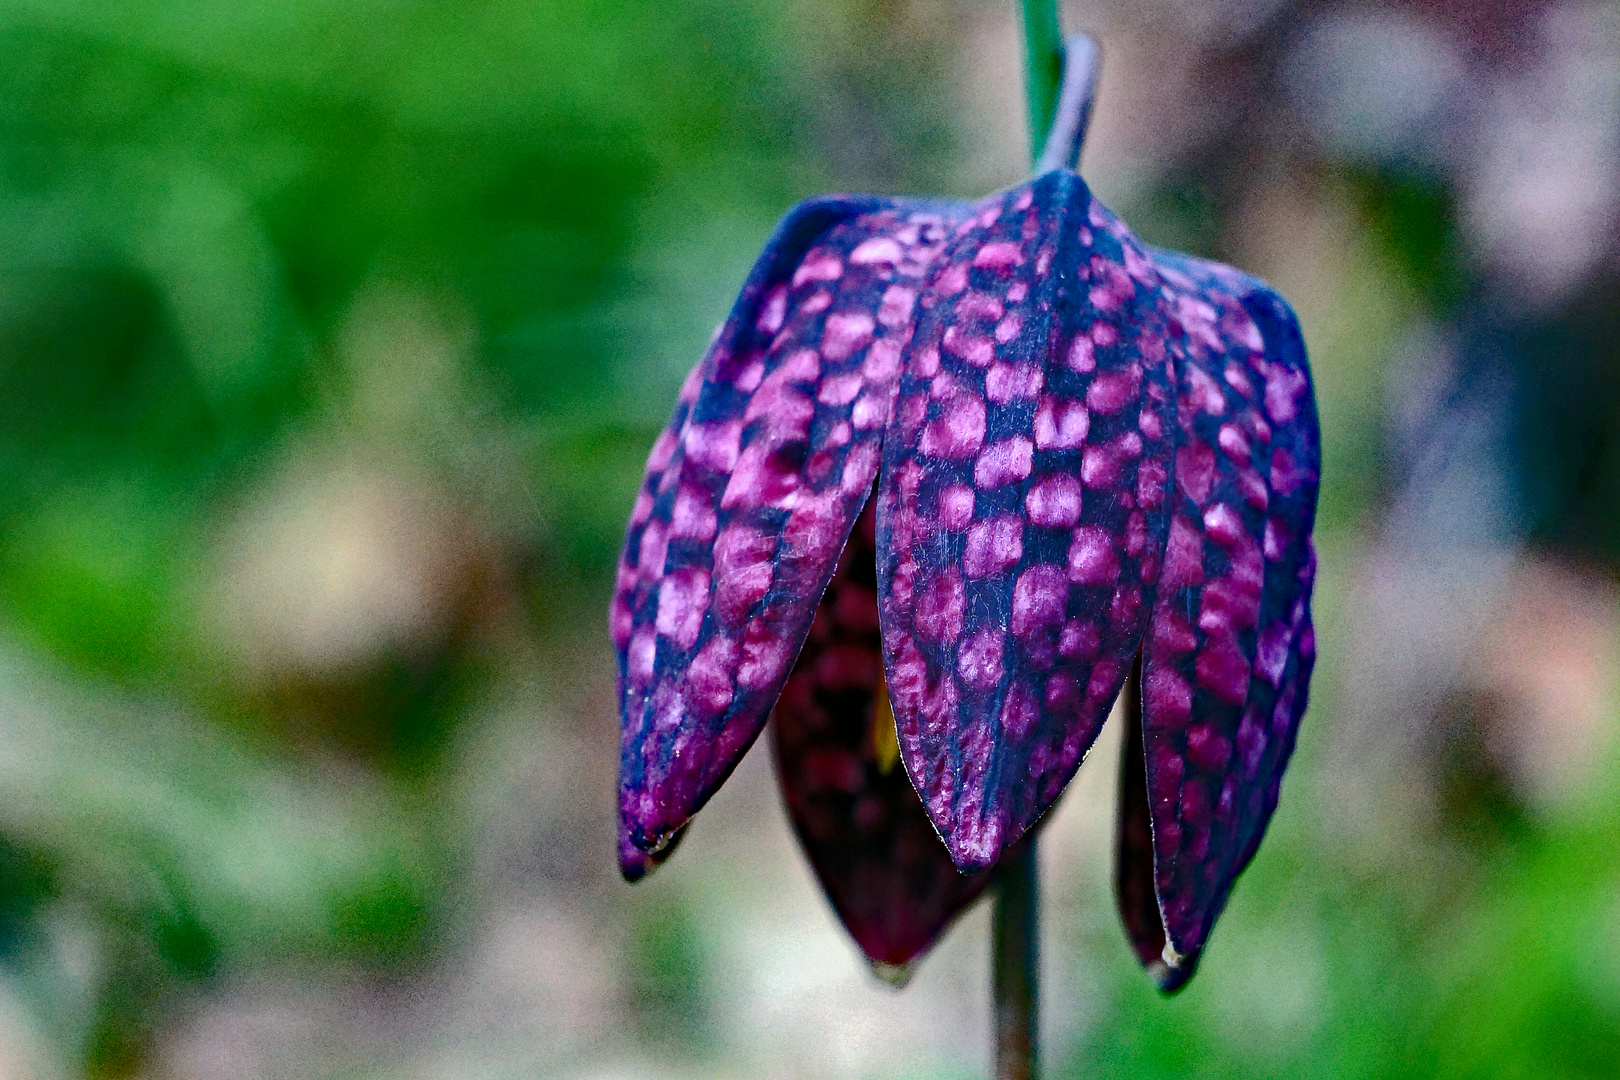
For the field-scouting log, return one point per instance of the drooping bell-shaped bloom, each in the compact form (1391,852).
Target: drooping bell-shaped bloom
(967,465)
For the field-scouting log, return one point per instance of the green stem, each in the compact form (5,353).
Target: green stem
(1015,933)
(1043,69)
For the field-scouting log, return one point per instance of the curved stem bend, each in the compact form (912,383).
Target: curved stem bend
(1082,65)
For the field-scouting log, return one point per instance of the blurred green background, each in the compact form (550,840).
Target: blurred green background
(333,337)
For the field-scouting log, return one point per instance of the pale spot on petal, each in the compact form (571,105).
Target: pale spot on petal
(879,249)
(993,546)
(979,661)
(845,333)
(1082,355)
(818,266)
(840,389)
(956,506)
(1054,502)
(999,256)
(1008,382)
(958,432)
(683,597)
(1038,601)
(1004,462)
(1091,557)
(1061,424)
(895,310)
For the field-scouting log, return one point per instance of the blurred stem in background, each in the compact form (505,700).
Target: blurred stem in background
(1016,922)
(1043,69)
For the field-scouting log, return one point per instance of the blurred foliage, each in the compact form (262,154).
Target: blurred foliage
(668,988)
(1508,972)
(190,202)
(1414,218)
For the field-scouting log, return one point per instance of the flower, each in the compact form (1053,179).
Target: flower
(971,463)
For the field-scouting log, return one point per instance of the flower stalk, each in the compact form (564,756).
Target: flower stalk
(1015,963)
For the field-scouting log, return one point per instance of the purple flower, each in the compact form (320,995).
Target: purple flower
(973,463)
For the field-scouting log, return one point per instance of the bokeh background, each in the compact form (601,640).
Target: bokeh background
(333,336)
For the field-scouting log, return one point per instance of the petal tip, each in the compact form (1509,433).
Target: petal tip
(971,854)
(894,976)
(636,863)
(977,848)
(1172,971)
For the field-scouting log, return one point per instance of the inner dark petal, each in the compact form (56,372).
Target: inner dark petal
(884,869)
